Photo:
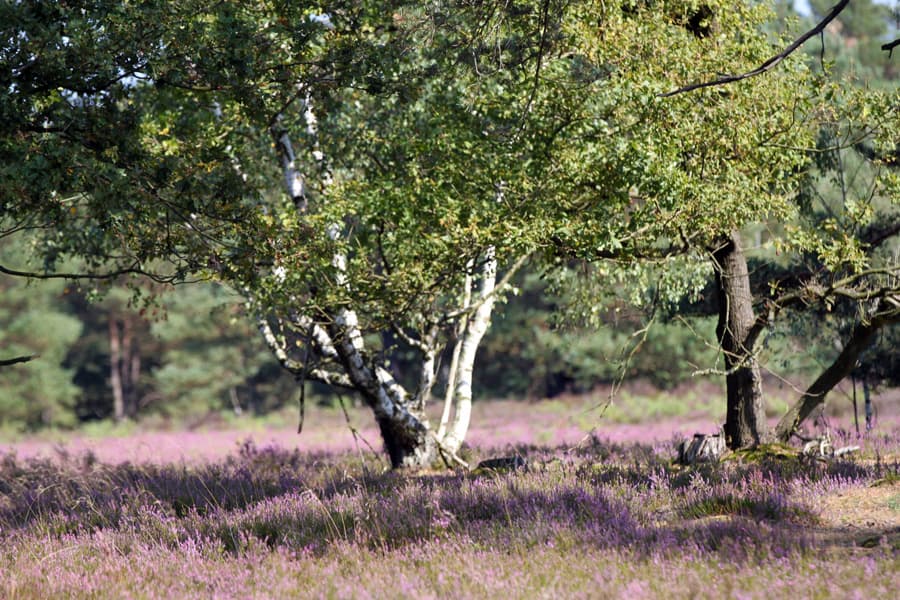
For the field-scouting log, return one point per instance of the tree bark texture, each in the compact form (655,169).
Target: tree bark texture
(745,422)
(474,331)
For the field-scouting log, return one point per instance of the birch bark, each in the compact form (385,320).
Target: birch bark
(406,435)
(476,327)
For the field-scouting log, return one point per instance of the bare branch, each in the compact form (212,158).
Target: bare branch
(772,62)
(410,340)
(808,292)
(332,378)
(132,270)
(18,359)
(278,347)
(889,47)
(843,287)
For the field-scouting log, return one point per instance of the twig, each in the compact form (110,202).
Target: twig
(132,270)
(356,435)
(301,379)
(498,289)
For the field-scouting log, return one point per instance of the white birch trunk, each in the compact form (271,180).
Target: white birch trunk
(406,435)
(294,184)
(426,379)
(476,327)
(454,360)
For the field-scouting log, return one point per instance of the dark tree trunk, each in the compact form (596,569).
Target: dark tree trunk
(131,367)
(862,336)
(870,412)
(745,422)
(124,368)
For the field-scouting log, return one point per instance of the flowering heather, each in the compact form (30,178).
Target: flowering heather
(600,519)
(265,513)
(635,416)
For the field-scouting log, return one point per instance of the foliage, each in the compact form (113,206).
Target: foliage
(194,335)
(844,226)
(211,358)
(532,351)
(38,393)
(165,121)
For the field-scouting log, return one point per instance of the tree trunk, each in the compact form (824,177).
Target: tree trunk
(124,368)
(745,422)
(870,412)
(115,370)
(409,442)
(475,328)
(860,339)
(130,365)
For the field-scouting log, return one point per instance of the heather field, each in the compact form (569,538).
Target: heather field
(252,510)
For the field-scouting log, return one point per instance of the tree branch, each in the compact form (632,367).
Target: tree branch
(18,359)
(278,347)
(772,62)
(808,292)
(874,236)
(331,378)
(132,270)
(469,309)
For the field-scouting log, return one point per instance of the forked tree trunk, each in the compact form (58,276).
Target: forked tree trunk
(476,326)
(745,422)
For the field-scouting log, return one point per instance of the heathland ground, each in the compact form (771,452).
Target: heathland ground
(250,509)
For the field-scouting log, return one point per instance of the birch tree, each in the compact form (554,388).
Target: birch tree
(326,342)
(326,166)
